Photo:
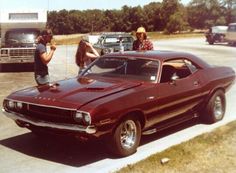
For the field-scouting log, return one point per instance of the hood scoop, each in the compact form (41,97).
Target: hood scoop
(95,89)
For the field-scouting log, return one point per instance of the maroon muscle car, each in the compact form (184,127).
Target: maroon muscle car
(122,96)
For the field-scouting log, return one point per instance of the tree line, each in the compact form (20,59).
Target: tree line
(169,16)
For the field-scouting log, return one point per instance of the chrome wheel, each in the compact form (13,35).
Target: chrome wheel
(218,108)
(215,108)
(128,134)
(126,137)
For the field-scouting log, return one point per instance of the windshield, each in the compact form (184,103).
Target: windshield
(110,40)
(126,68)
(21,37)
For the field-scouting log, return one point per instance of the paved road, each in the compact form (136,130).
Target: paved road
(22,152)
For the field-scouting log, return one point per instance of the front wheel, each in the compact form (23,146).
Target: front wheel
(126,137)
(215,108)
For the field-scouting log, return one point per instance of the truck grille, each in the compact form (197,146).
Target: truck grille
(21,52)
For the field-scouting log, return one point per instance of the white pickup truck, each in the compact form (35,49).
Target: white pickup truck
(216,34)
(230,36)
(19,30)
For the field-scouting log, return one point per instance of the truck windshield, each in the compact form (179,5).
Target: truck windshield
(21,37)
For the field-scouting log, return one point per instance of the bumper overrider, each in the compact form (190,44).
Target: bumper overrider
(40,123)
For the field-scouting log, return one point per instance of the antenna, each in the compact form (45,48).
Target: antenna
(66,60)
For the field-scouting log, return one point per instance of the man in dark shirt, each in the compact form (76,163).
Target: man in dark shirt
(142,43)
(42,58)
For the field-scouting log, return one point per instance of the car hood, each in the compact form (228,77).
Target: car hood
(72,93)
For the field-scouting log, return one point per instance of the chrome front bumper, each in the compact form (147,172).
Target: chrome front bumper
(29,120)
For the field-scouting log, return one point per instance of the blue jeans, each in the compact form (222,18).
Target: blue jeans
(42,80)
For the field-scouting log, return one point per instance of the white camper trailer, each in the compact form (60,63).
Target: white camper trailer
(19,31)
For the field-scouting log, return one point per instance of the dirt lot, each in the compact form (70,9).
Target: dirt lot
(212,153)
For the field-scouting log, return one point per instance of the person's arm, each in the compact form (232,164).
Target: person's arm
(94,53)
(91,55)
(150,45)
(46,57)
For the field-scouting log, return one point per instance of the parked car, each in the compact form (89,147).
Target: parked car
(122,96)
(216,34)
(231,34)
(114,42)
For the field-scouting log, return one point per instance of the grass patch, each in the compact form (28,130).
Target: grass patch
(156,35)
(210,152)
(67,39)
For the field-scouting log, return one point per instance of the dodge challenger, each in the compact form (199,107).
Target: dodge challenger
(122,96)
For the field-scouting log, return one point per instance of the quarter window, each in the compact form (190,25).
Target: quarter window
(177,68)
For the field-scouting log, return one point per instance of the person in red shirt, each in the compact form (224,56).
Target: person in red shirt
(142,43)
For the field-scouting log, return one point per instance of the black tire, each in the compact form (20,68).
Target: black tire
(215,108)
(211,42)
(130,131)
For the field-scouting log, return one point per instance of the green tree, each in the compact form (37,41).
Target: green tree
(174,16)
(114,20)
(169,7)
(229,12)
(63,22)
(132,18)
(176,23)
(205,13)
(153,15)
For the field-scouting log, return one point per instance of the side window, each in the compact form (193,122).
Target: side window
(177,69)
(232,28)
(100,40)
(191,66)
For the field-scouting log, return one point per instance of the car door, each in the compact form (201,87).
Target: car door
(178,95)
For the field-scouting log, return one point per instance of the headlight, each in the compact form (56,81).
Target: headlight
(78,117)
(13,105)
(10,104)
(4,52)
(82,117)
(19,105)
(87,119)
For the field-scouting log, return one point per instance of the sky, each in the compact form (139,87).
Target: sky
(72,4)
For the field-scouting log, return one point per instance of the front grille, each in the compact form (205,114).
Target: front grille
(21,52)
(49,114)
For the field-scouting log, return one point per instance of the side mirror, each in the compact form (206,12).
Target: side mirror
(174,78)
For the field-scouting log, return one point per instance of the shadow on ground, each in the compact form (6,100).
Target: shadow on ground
(69,151)
(16,67)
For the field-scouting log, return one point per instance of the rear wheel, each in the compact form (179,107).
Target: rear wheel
(211,42)
(215,108)
(126,137)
